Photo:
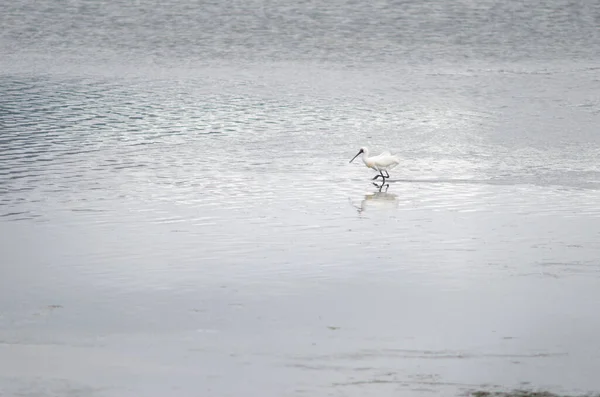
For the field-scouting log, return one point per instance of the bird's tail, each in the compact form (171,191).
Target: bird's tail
(395,163)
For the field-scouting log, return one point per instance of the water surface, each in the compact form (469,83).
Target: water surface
(178,215)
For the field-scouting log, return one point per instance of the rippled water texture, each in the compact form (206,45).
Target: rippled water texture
(178,215)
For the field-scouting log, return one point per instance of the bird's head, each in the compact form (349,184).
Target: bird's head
(361,151)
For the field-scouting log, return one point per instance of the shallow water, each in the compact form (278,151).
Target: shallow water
(178,216)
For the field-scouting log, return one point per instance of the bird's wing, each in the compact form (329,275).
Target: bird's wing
(394,161)
(382,155)
(387,161)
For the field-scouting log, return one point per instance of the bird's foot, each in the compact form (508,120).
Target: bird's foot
(380,187)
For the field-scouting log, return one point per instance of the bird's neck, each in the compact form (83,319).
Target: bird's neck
(365,155)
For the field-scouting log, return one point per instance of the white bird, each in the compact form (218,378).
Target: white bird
(383,162)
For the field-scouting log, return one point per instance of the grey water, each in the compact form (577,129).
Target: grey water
(178,216)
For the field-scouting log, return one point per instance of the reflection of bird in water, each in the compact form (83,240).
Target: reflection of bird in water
(383,162)
(377,200)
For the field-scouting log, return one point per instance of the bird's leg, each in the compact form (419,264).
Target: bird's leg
(387,175)
(382,177)
(378,186)
(382,183)
(387,186)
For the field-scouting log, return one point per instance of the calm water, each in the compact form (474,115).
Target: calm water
(178,216)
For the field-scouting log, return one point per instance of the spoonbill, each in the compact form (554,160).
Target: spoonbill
(383,162)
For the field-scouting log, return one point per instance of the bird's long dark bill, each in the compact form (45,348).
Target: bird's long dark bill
(359,152)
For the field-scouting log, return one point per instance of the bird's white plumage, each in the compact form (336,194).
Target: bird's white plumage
(382,162)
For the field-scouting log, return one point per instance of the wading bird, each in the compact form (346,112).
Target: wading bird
(383,162)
